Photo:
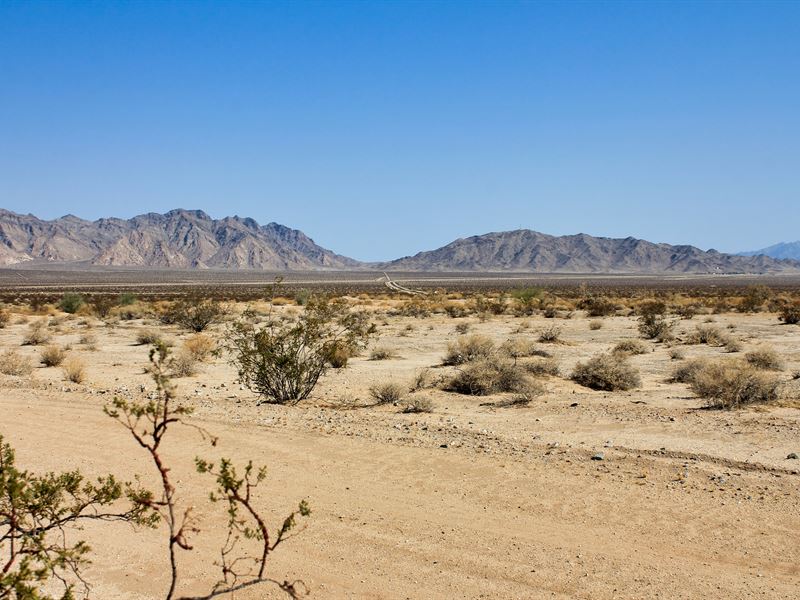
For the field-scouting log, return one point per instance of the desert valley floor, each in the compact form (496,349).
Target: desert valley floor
(475,499)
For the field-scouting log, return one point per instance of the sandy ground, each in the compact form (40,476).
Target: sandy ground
(469,501)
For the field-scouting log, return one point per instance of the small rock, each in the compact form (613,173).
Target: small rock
(792,456)
(599,456)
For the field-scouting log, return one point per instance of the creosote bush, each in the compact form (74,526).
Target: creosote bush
(14,363)
(468,348)
(389,392)
(283,360)
(606,372)
(52,356)
(195,314)
(765,358)
(71,303)
(790,313)
(732,384)
(597,306)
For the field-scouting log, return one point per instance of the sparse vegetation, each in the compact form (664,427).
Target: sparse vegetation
(550,335)
(282,361)
(595,325)
(765,358)
(418,404)
(607,372)
(199,346)
(630,347)
(468,348)
(37,334)
(71,303)
(148,337)
(542,366)
(381,353)
(74,369)
(52,356)
(732,384)
(483,377)
(389,392)
(14,363)
(790,313)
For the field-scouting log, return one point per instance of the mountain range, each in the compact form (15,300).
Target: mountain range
(192,239)
(784,250)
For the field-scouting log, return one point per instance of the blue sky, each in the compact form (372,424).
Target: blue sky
(382,129)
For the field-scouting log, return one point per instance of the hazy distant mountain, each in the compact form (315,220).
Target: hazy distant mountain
(177,239)
(192,239)
(529,251)
(790,250)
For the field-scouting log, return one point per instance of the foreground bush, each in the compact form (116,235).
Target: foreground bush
(607,372)
(194,314)
(630,347)
(387,393)
(71,303)
(468,348)
(790,313)
(283,360)
(731,384)
(52,356)
(36,335)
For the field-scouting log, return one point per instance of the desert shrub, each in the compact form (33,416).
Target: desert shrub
(686,371)
(677,354)
(607,372)
(518,347)
(126,299)
(487,376)
(199,346)
(148,337)
(462,328)
(388,392)
(52,356)
(37,334)
(595,325)
(183,364)
(89,340)
(71,302)
(338,354)
(731,384)
(687,311)
(542,366)
(597,306)
(421,380)
(524,396)
(419,404)
(790,313)
(706,334)
(468,348)
(195,314)
(527,300)
(5,317)
(14,363)
(765,358)
(550,335)
(732,344)
(74,369)
(381,353)
(655,326)
(102,305)
(455,310)
(282,361)
(754,298)
(630,347)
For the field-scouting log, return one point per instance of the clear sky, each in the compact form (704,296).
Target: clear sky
(385,128)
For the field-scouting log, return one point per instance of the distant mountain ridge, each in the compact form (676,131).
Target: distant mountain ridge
(524,250)
(783,250)
(191,239)
(177,239)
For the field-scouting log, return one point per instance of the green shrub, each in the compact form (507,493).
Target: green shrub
(71,302)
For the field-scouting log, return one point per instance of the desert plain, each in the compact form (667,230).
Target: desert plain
(574,493)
